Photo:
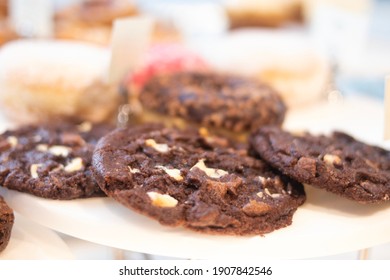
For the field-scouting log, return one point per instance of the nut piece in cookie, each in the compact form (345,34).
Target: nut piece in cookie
(162,148)
(172,172)
(210,172)
(162,200)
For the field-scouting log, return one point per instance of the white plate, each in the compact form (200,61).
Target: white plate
(30,241)
(324,225)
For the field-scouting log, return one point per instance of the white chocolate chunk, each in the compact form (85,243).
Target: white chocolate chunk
(13,141)
(162,200)
(162,148)
(75,164)
(262,179)
(42,147)
(260,194)
(332,159)
(58,150)
(172,172)
(34,170)
(211,172)
(273,195)
(134,170)
(84,127)
(255,208)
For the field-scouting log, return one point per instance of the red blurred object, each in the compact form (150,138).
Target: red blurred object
(164,59)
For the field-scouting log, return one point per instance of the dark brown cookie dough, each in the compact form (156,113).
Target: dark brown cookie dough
(6,223)
(213,100)
(51,160)
(337,163)
(178,178)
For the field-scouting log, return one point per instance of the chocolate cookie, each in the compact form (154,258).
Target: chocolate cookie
(178,178)
(6,223)
(337,163)
(52,160)
(221,102)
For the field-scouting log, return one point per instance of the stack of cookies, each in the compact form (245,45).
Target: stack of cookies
(207,153)
(206,181)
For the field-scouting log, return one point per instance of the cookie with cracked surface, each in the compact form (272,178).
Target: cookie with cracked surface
(6,223)
(51,160)
(337,163)
(227,104)
(179,179)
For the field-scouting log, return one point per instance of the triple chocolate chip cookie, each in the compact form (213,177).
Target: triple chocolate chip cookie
(223,103)
(337,163)
(180,179)
(52,160)
(6,223)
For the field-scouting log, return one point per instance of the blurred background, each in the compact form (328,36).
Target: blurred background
(353,35)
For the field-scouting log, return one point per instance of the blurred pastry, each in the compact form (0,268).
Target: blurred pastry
(3,8)
(95,12)
(302,85)
(6,32)
(78,31)
(287,61)
(246,13)
(43,79)
(92,21)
